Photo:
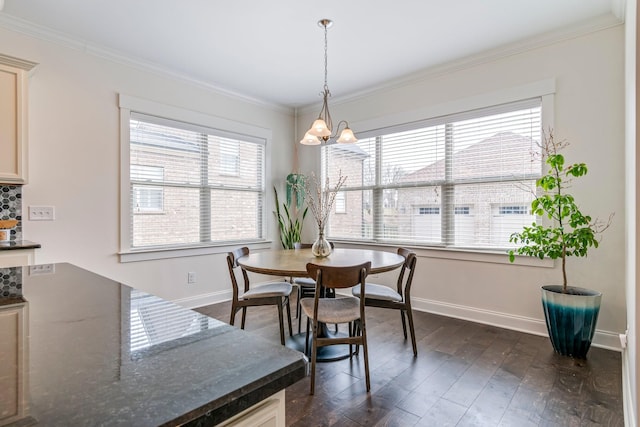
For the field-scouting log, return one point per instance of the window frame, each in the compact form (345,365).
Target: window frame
(128,105)
(543,90)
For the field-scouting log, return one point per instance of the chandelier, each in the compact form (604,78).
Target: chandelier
(322,128)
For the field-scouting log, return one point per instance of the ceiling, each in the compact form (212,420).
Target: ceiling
(274,51)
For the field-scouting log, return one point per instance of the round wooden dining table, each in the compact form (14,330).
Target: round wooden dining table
(293,263)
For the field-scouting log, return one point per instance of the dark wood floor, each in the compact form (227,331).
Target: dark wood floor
(466,374)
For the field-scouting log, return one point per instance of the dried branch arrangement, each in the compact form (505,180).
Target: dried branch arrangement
(320,201)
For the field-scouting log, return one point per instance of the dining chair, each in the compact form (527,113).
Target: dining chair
(399,299)
(276,293)
(306,285)
(320,311)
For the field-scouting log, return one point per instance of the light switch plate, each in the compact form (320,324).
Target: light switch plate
(42,213)
(35,270)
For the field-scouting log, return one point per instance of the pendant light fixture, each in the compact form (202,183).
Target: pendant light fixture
(322,128)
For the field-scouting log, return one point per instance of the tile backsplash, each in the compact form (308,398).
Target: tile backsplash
(10,282)
(11,207)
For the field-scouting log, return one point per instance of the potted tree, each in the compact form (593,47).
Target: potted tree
(570,312)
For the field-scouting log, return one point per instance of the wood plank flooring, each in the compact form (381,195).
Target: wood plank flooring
(466,374)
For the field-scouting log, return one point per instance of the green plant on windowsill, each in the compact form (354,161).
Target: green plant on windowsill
(289,219)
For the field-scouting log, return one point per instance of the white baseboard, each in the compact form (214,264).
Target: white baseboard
(204,299)
(604,339)
(213,297)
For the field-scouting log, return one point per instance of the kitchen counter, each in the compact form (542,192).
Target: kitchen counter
(18,244)
(77,348)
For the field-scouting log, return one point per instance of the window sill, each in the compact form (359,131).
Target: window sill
(179,252)
(486,256)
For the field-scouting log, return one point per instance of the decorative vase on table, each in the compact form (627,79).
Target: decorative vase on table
(321,247)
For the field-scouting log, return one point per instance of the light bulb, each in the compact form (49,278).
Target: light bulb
(319,128)
(309,139)
(347,137)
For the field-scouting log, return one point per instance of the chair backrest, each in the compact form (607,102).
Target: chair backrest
(331,277)
(232,263)
(328,277)
(404,283)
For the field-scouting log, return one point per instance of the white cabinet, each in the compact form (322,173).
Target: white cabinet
(268,413)
(13,119)
(17,257)
(13,372)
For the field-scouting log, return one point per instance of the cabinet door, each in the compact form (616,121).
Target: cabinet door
(12,367)
(13,125)
(268,413)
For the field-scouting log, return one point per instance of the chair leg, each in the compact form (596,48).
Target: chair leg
(404,324)
(412,331)
(306,340)
(351,328)
(287,302)
(232,318)
(366,355)
(314,354)
(356,332)
(281,321)
(299,318)
(244,317)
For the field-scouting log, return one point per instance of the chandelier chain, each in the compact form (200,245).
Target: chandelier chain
(325,57)
(322,129)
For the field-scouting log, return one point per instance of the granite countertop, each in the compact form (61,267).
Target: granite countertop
(97,352)
(18,244)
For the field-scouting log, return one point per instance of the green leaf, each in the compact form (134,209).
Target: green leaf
(570,232)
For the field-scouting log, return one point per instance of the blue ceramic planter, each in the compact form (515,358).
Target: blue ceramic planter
(571,318)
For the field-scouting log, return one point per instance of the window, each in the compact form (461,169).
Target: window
(513,210)
(193,185)
(341,203)
(429,211)
(461,210)
(147,198)
(440,182)
(229,157)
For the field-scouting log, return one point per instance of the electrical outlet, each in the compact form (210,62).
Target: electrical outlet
(35,270)
(42,213)
(191,277)
(623,339)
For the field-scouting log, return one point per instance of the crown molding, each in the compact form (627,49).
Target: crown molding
(600,23)
(17,62)
(47,34)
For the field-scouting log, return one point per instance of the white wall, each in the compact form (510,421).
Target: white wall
(74,160)
(588,111)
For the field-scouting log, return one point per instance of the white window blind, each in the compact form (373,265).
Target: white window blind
(192,185)
(463,180)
